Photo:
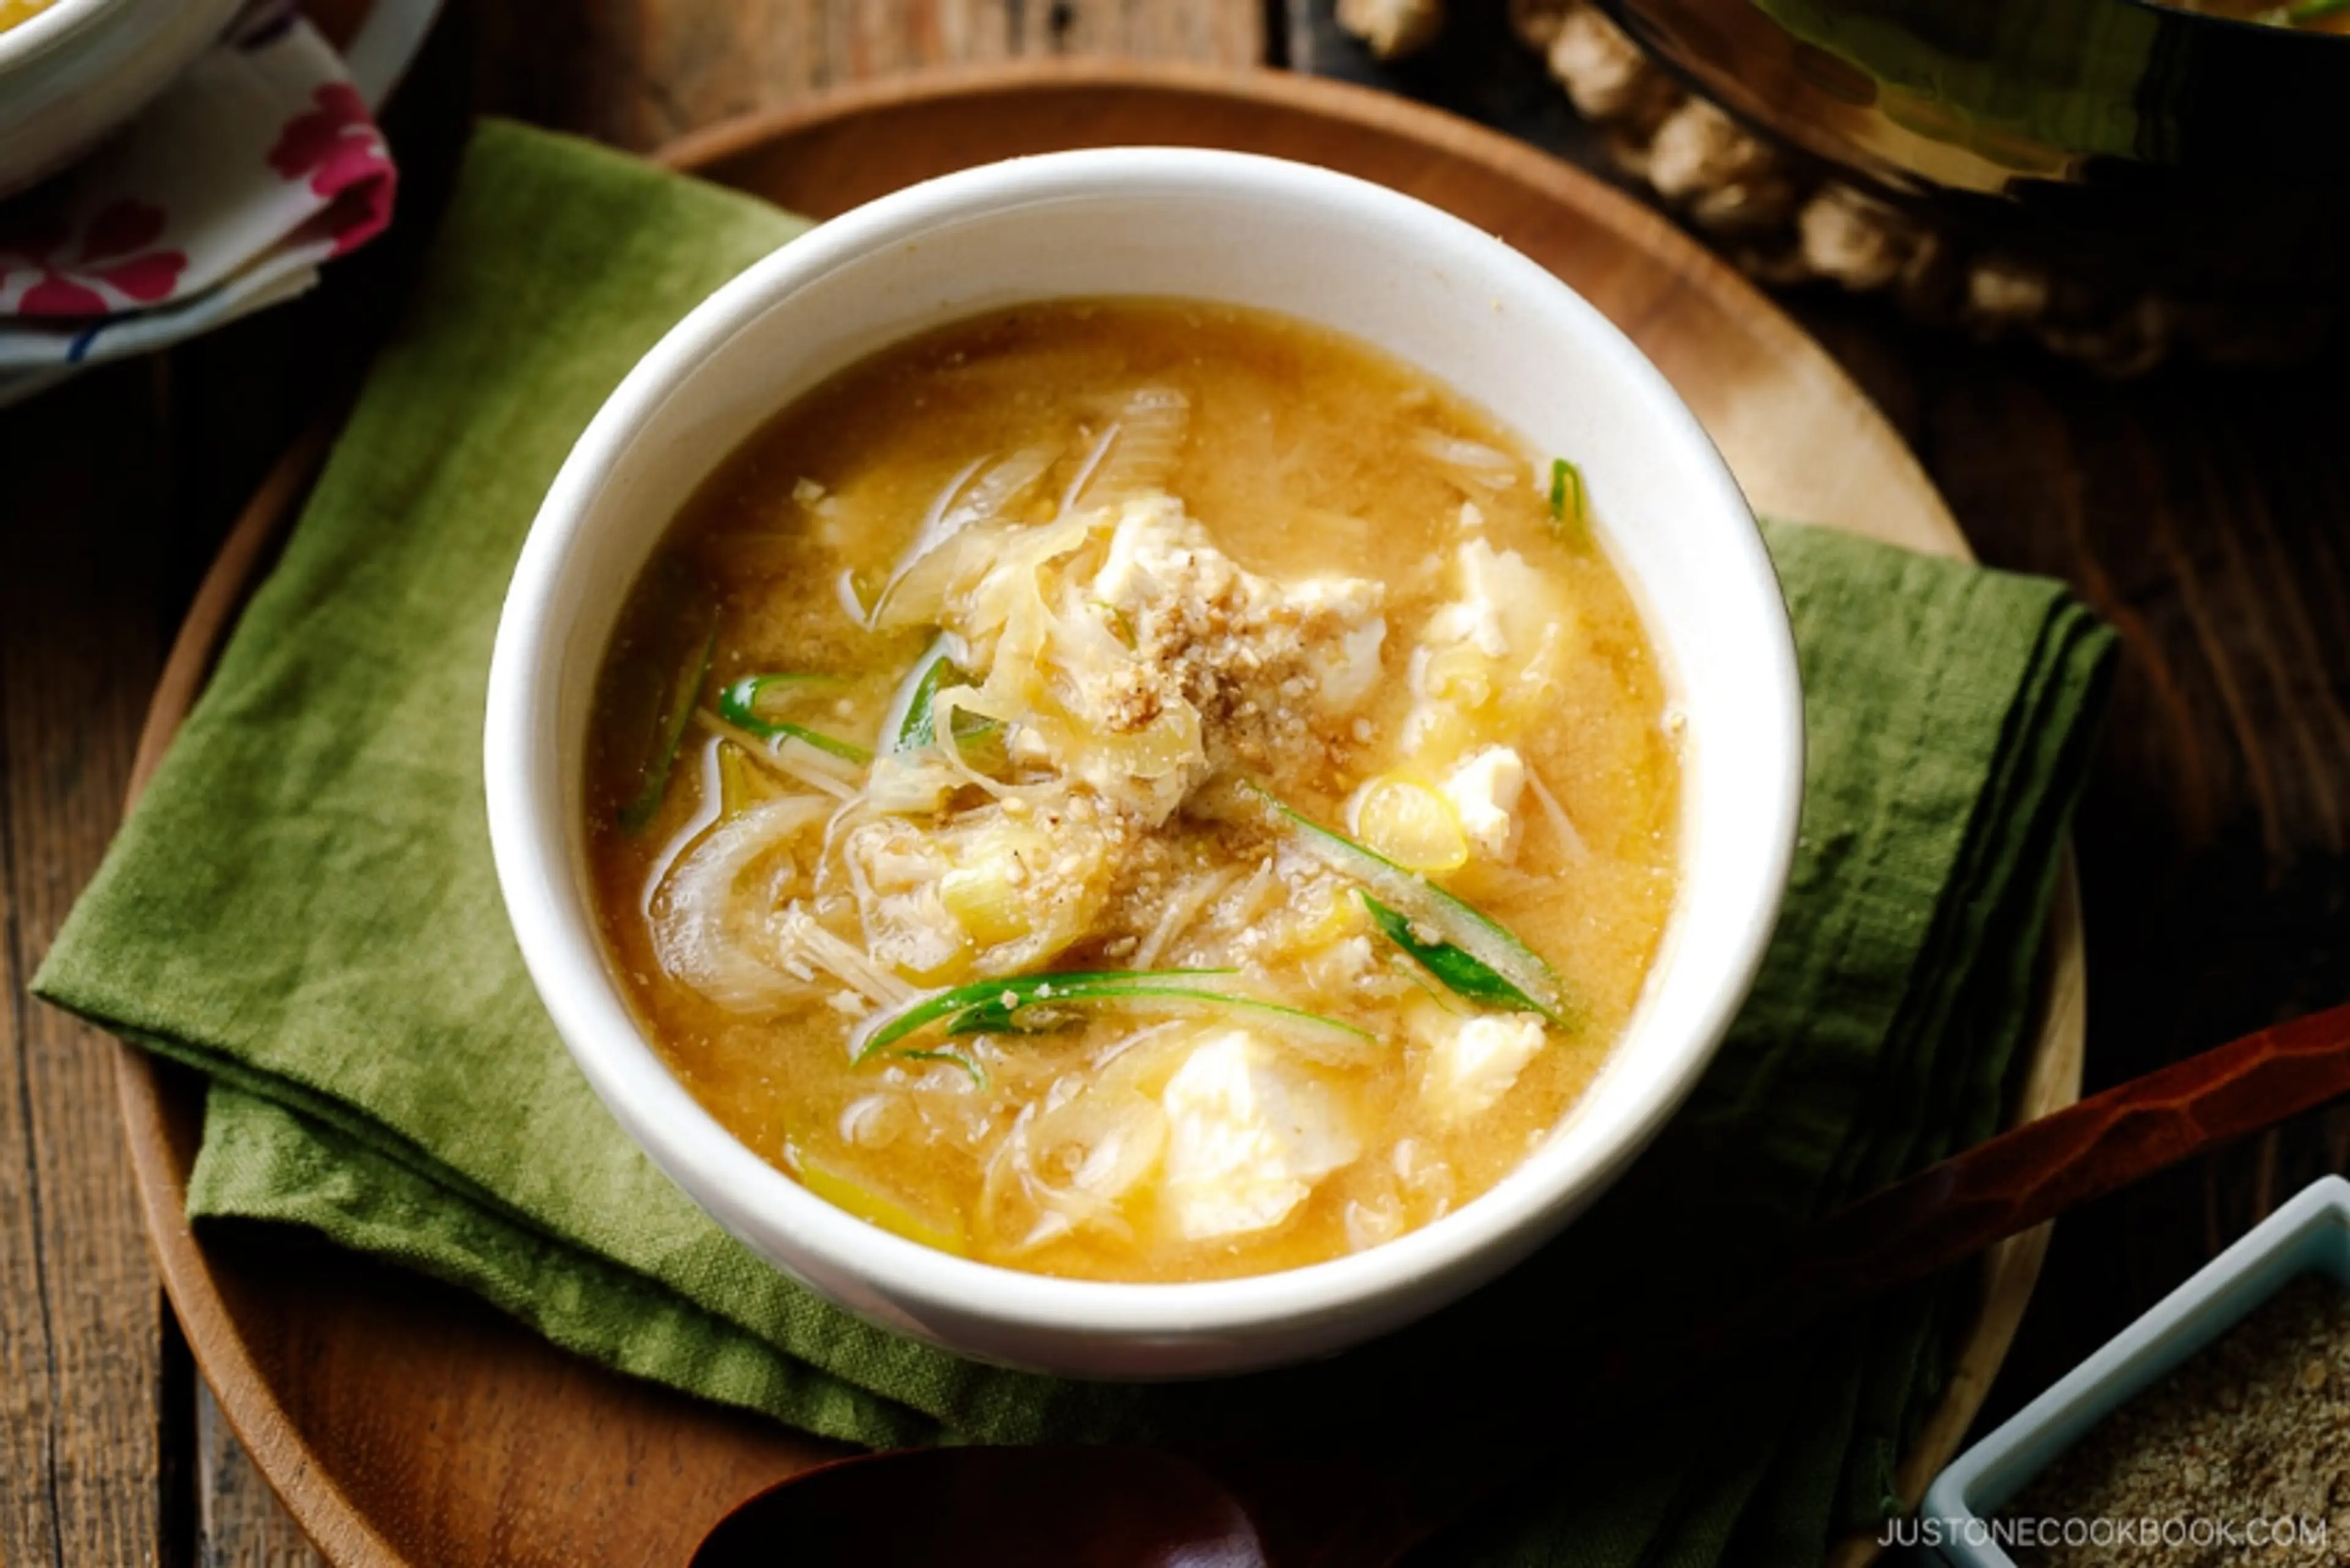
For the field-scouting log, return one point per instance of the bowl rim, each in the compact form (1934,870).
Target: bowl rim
(739,1187)
(50,29)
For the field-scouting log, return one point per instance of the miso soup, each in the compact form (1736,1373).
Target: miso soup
(1134,790)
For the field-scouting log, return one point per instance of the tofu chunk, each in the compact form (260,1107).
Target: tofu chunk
(1485,653)
(1247,653)
(1484,790)
(1248,1136)
(1473,1062)
(1347,665)
(1471,623)
(1154,548)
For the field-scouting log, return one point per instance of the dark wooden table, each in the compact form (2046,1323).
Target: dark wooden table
(2207,514)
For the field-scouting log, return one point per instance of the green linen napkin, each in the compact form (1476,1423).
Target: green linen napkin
(303,908)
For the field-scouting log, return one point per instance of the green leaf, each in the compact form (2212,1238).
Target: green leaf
(668,733)
(1011,994)
(744,705)
(994,1006)
(912,730)
(1460,971)
(934,672)
(1570,510)
(846,751)
(988,1018)
(1427,905)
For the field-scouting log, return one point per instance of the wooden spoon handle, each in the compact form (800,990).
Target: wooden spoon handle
(1950,1211)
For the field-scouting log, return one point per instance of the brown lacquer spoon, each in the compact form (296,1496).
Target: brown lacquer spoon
(1129,1508)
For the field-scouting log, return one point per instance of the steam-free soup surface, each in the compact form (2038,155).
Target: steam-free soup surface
(1253,684)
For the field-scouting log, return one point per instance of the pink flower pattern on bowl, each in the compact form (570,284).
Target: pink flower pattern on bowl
(115,255)
(226,193)
(337,146)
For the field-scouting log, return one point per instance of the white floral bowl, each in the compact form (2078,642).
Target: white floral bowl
(76,71)
(1411,280)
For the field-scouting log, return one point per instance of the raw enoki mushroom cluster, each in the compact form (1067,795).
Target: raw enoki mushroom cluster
(1782,223)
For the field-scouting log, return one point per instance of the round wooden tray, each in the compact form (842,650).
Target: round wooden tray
(405,1423)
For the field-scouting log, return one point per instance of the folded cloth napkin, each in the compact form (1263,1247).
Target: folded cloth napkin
(303,906)
(225,196)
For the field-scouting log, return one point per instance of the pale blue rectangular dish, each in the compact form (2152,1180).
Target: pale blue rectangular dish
(2310,1234)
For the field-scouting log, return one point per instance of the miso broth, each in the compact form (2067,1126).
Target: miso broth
(1134,790)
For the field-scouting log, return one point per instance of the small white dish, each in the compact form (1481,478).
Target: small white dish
(1226,227)
(77,71)
(2309,1235)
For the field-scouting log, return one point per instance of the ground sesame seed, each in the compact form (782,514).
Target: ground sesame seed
(2251,1427)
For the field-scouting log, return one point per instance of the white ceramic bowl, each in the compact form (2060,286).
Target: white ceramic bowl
(76,71)
(1246,230)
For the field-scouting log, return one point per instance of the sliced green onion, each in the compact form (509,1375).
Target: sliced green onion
(1569,503)
(1458,970)
(1012,993)
(846,751)
(2309,11)
(992,1018)
(908,728)
(1427,906)
(669,732)
(739,705)
(747,703)
(992,1006)
(911,729)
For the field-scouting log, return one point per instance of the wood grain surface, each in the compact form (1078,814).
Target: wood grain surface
(81,1333)
(2203,512)
(641,73)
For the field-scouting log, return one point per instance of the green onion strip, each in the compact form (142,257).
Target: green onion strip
(993,1006)
(1422,905)
(740,705)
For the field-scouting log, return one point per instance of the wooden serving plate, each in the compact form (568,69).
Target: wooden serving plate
(405,1423)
